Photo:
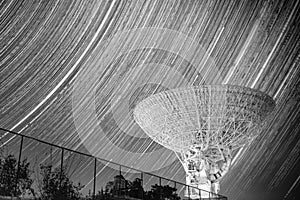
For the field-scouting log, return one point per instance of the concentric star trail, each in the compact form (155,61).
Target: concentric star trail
(71,73)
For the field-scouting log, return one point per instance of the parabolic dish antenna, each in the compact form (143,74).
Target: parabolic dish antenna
(203,125)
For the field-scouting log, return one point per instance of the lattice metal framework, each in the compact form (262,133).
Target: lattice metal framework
(203,124)
(224,115)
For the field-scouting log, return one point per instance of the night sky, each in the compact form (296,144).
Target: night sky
(72,72)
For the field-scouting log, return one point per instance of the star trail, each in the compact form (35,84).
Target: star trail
(72,72)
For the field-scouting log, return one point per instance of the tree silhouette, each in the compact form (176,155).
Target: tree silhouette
(14,179)
(162,193)
(136,189)
(56,185)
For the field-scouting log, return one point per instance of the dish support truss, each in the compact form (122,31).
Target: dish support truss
(204,171)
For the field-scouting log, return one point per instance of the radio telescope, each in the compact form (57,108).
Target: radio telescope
(203,125)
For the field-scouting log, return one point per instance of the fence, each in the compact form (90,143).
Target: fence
(96,175)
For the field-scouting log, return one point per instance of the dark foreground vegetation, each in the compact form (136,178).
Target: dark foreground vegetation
(16,183)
